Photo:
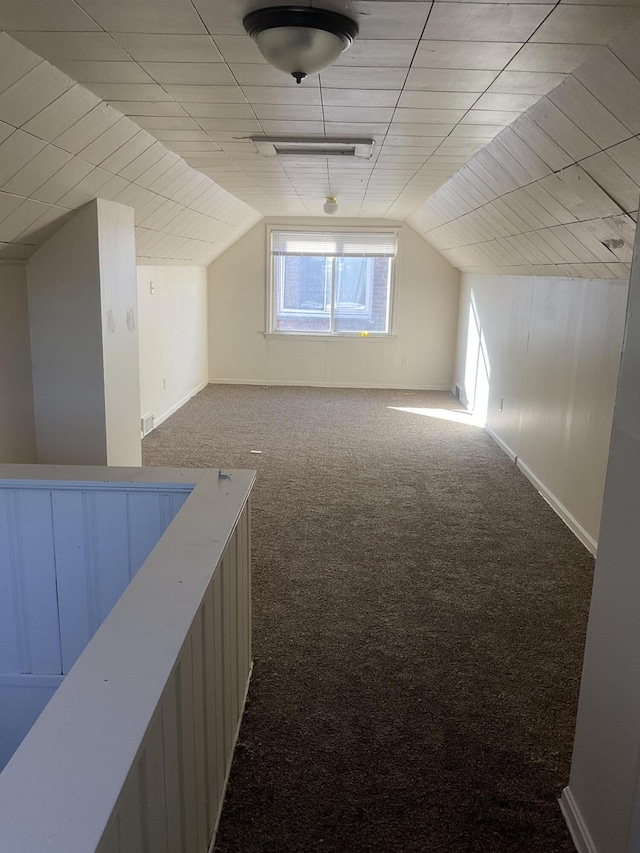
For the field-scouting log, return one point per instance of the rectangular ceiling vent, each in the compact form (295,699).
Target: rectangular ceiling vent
(277,146)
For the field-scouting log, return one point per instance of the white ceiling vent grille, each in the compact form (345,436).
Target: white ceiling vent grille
(277,146)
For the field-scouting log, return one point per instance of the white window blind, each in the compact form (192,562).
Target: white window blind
(328,245)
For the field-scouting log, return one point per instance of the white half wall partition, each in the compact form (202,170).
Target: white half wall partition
(67,551)
(172,310)
(17,427)
(133,750)
(538,361)
(419,355)
(84,340)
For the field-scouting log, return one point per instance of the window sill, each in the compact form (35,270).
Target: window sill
(346,336)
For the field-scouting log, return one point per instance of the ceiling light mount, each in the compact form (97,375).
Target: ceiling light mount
(300,40)
(330,205)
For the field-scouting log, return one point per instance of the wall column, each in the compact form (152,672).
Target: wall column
(84,340)
(17,431)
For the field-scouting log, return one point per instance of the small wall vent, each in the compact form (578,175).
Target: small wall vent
(146,424)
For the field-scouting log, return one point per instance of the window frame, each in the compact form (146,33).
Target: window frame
(271,284)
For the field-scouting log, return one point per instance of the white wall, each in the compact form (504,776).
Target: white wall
(552,347)
(602,802)
(17,429)
(66,344)
(172,303)
(84,342)
(426,312)
(117,255)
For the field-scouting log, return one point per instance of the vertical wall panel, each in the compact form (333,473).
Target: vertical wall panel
(231,619)
(220,687)
(75,563)
(229,687)
(171,750)
(132,812)
(239,619)
(37,584)
(243,644)
(186,754)
(213,721)
(113,548)
(199,731)
(155,804)
(244,609)
(145,526)
(9,653)
(247,514)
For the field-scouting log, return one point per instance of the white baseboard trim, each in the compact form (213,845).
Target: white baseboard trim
(577,827)
(306,384)
(588,541)
(501,444)
(158,420)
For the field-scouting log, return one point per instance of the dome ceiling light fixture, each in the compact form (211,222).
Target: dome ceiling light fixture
(330,205)
(300,40)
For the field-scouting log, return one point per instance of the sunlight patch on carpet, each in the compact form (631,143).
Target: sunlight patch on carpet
(467,418)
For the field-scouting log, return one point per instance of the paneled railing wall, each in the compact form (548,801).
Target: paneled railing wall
(70,551)
(133,751)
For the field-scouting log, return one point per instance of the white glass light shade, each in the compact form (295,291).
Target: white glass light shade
(330,206)
(299,49)
(300,40)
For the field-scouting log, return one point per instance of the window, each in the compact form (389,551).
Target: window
(331,283)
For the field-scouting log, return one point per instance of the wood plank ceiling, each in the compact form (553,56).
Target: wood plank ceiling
(432,82)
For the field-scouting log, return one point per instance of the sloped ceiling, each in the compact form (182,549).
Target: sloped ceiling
(555,193)
(61,146)
(171,89)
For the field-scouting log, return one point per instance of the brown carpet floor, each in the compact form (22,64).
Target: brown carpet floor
(419,621)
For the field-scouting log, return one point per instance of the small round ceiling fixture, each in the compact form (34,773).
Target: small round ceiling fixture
(331,205)
(300,40)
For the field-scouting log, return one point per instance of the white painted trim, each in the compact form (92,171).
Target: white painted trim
(577,827)
(589,543)
(307,384)
(87,486)
(336,228)
(158,420)
(337,336)
(501,444)
(576,528)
